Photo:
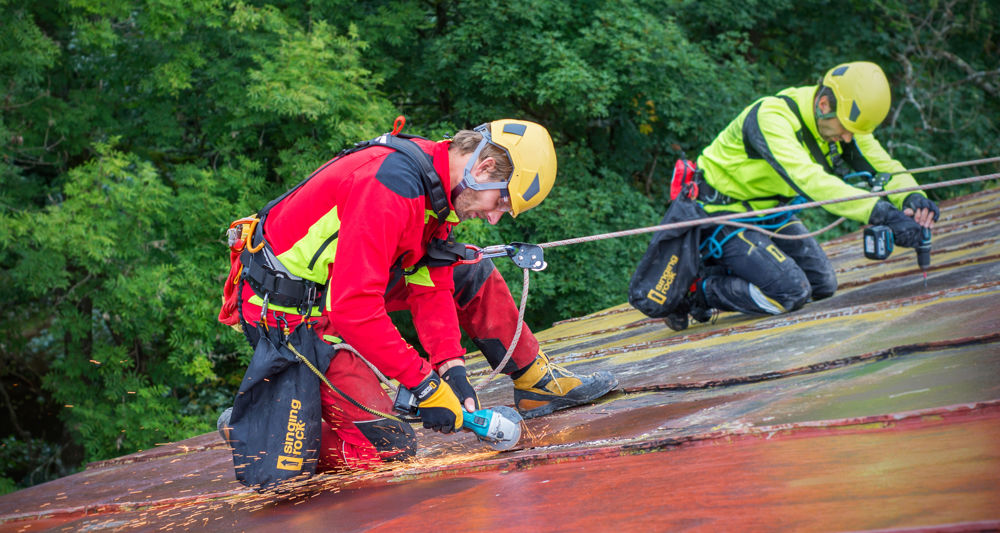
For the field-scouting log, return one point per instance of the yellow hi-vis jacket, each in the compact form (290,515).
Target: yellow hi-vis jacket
(759,156)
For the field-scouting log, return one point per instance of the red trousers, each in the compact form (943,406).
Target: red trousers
(355,438)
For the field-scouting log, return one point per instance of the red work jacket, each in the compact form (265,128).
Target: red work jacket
(358,219)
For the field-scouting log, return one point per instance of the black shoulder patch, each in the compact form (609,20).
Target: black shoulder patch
(756,147)
(753,138)
(401,175)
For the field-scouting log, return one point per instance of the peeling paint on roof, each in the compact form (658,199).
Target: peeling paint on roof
(878,408)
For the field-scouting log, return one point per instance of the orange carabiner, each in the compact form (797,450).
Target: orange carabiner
(238,241)
(250,247)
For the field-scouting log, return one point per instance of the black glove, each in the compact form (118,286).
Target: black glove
(918,201)
(458,379)
(906,232)
(438,405)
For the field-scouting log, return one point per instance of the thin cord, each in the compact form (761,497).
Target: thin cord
(517,335)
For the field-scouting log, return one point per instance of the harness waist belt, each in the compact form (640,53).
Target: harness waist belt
(708,194)
(278,288)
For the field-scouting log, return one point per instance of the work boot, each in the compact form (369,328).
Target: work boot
(545,387)
(677,320)
(698,306)
(693,304)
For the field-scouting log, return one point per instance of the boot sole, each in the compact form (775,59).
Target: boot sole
(561,402)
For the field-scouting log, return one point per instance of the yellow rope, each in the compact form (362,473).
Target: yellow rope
(316,371)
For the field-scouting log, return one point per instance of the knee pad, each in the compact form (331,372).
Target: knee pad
(393,440)
(793,290)
(494,351)
(469,278)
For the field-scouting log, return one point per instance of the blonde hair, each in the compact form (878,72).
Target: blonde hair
(466,141)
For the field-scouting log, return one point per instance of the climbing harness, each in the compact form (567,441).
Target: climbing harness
(256,264)
(267,276)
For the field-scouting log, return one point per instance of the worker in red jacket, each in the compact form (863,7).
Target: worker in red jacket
(351,243)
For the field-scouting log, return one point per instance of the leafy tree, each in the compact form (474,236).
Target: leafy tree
(139,133)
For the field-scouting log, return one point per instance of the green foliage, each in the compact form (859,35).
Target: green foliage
(133,131)
(30,460)
(157,126)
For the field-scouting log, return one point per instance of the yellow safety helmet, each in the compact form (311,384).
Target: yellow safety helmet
(862,93)
(532,154)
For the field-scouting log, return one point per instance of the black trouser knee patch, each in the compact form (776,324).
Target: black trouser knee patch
(494,350)
(388,436)
(469,278)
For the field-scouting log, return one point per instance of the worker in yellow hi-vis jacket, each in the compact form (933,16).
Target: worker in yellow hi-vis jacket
(798,145)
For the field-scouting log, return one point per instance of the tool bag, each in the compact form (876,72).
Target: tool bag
(671,261)
(276,420)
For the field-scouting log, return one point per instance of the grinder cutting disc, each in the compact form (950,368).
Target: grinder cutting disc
(508,431)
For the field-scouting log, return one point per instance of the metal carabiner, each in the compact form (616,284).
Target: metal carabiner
(282,323)
(263,310)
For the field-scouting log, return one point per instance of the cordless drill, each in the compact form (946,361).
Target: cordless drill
(924,253)
(500,426)
(878,244)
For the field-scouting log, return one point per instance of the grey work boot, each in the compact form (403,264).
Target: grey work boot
(546,387)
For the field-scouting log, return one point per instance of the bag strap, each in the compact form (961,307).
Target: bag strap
(433,187)
(401,142)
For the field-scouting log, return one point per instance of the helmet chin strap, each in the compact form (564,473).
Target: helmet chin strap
(457,190)
(468,180)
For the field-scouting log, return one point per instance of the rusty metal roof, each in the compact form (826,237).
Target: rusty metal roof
(878,408)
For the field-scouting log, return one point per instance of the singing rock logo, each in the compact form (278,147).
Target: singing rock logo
(659,293)
(295,434)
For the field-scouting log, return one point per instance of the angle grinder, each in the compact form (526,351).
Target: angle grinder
(500,426)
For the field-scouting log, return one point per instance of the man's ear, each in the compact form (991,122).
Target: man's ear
(823,104)
(487,165)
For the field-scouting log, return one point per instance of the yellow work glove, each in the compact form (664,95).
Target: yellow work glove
(437,405)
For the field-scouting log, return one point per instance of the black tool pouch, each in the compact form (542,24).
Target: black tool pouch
(670,264)
(276,420)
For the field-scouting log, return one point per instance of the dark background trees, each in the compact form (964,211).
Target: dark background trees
(133,131)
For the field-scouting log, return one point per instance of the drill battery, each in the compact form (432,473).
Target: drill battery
(878,241)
